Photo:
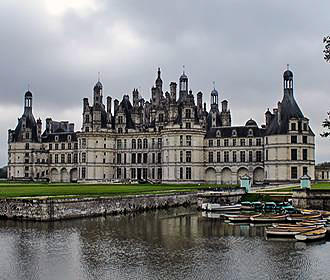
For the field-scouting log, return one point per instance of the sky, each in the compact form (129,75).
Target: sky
(56,49)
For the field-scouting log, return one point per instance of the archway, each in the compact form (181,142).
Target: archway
(226,177)
(54,175)
(210,176)
(258,175)
(73,175)
(64,175)
(241,172)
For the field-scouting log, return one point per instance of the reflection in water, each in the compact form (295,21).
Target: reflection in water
(166,244)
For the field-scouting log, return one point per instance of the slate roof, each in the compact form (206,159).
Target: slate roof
(241,131)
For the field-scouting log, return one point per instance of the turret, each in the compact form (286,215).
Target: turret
(135,98)
(288,81)
(159,82)
(214,99)
(268,117)
(98,95)
(183,86)
(28,102)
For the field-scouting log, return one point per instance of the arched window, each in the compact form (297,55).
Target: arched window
(250,133)
(218,133)
(234,133)
(133,144)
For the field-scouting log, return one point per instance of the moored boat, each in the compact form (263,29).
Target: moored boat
(240,218)
(289,231)
(270,206)
(312,235)
(246,205)
(219,207)
(268,218)
(301,217)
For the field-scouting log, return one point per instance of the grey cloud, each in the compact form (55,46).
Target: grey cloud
(241,45)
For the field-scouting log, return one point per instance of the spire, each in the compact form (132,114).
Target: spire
(159,82)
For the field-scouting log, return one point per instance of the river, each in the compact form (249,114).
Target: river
(165,244)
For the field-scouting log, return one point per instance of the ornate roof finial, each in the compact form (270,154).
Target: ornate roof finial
(183,69)
(28,87)
(98,76)
(287,66)
(213,84)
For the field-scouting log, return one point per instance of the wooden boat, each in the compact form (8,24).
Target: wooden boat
(312,235)
(240,218)
(292,225)
(301,217)
(246,205)
(289,231)
(270,206)
(264,218)
(219,207)
(257,205)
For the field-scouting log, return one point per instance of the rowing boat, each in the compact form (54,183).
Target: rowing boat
(289,231)
(312,235)
(264,218)
(301,217)
(240,218)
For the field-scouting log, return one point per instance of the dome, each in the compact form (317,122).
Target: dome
(251,122)
(183,76)
(214,92)
(268,112)
(98,85)
(28,94)
(288,75)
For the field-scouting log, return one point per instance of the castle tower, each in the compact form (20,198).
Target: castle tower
(183,86)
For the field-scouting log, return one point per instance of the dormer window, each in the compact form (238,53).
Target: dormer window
(218,134)
(250,133)
(234,133)
(293,127)
(56,138)
(69,137)
(305,126)
(188,113)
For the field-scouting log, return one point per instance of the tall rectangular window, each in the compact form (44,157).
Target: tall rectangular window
(139,158)
(145,158)
(258,156)
(134,158)
(294,139)
(226,156)
(211,143)
(242,142)
(62,158)
(188,156)
(188,173)
(159,174)
(210,157)
(250,142)
(258,142)
(226,142)
(181,173)
(304,139)
(305,170)
(181,156)
(294,172)
(234,156)
(159,158)
(242,156)
(83,172)
(118,158)
(218,142)
(181,140)
(293,154)
(250,156)
(234,142)
(218,156)
(188,140)
(304,154)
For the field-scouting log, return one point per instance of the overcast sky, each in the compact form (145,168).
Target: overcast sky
(59,46)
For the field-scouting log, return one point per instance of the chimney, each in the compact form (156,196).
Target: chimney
(109,105)
(200,99)
(115,106)
(173,91)
(224,105)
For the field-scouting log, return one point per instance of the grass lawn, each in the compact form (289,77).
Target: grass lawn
(91,190)
(317,186)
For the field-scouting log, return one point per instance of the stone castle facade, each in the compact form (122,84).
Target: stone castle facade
(171,138)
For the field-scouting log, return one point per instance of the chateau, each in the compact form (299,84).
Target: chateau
(171,138)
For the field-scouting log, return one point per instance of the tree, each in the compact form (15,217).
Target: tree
(326,52)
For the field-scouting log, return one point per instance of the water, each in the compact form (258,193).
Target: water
(166,244)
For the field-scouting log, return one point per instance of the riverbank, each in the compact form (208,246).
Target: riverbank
(69,208)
